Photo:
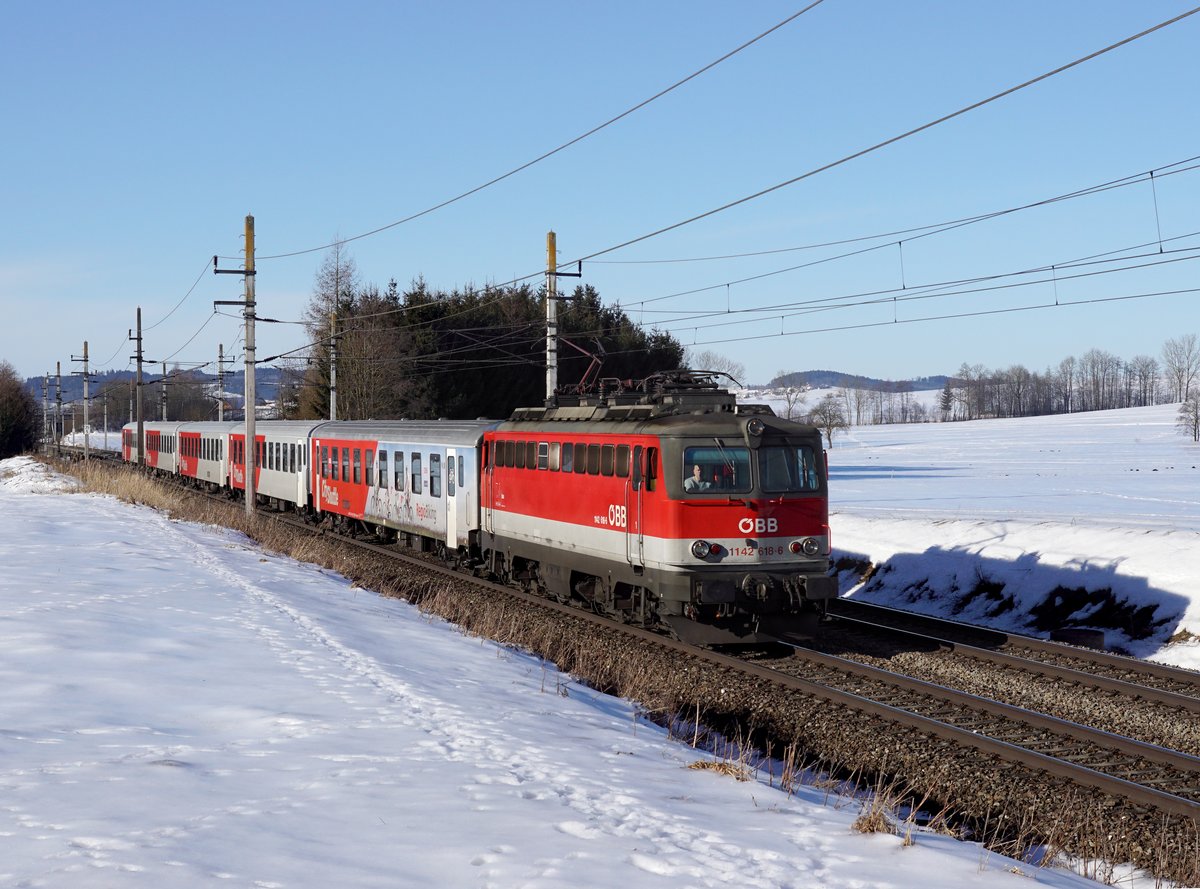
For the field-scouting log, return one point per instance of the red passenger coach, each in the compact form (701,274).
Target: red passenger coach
(670,506)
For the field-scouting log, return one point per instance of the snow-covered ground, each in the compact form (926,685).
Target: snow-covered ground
(181,709)
(1104,505)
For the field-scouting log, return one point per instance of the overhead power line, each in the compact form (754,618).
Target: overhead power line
(554,151)
(893,140)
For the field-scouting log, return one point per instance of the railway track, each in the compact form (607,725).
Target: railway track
(1152,785)
(1054,658)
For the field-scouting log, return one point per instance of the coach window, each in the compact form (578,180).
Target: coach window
(337,465)
(450,461)
(324,461)
(543,455)
(568,451)
(383,469)
(357,461)
(345,464)
(593,459)
(369,467)
(416,473)
(461,471)
(398,469)
(291,458)
(435,475)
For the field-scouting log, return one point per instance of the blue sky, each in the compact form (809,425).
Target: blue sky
(138,136)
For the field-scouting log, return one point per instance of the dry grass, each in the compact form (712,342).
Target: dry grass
(722,767)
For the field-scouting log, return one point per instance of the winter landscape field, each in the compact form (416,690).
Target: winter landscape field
(183,709)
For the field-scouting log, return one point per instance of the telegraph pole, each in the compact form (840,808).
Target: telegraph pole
(163,396)
(333,365)
(86,431)
(141,423)
(551,316)
(220,382)
(58,408)
(248,313)
(552,298)
(46,415)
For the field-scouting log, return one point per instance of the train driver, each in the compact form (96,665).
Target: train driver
(694,482)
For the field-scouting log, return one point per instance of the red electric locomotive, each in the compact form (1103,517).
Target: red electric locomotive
(665,505)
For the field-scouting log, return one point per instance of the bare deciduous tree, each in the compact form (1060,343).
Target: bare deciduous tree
(708,360)
(1181,364)
(829,417)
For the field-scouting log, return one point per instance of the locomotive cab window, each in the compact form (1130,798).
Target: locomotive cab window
(716,469)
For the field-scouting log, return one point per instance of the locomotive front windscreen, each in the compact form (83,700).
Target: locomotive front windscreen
(712,468)
(787,468)
(781,469)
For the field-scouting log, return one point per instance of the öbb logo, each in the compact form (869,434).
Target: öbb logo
(758,526)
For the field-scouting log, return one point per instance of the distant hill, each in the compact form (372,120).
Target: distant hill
(266,383)
(832,379)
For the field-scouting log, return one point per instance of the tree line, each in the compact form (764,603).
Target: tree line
(388,353)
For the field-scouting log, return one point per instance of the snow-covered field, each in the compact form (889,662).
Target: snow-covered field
(181,709)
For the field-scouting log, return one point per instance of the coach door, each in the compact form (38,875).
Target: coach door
(635,542)
(452,459)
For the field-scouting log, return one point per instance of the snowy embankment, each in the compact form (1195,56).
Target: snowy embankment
(182,709)
(1088,520)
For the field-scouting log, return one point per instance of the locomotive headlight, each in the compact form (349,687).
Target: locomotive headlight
(809,546)
(755,426)
(701,548)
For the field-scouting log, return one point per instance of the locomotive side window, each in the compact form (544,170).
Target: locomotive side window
(593,459)
(416,473)
(519,453)
(555,455)
(543,455)
(623,461)
(567,453)
(608,459)
(435,475)
(383,469)
(581,457)
(531,455)
(398,469)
